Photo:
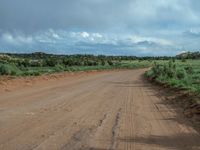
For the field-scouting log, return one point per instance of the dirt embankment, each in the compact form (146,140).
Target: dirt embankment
(188,101)
(92,111)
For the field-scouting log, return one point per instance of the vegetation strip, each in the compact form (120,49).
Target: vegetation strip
(41,63)
(183,75)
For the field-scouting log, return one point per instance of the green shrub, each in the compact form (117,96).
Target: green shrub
(59,67)
(110,62)
(170,73)
(183,60)
(181,73)
(103,62)
(170,64)
(150,73)
(51,62)
(169,70)
(8,69)
(189,69)
(173,82)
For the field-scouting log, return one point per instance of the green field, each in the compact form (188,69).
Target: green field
(183,74)
(40,63)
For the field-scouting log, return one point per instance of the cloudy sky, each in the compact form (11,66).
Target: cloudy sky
(110,27)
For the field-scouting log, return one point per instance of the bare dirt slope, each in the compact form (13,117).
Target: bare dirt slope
(102,111)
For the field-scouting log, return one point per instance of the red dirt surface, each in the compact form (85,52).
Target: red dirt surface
(91,111)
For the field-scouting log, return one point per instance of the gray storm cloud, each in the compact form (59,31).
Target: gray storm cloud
(23,21)
(33,15)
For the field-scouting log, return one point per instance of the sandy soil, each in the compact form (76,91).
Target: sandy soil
(91,111)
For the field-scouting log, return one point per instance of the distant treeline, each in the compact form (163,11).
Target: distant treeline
(41,55)
(39,59)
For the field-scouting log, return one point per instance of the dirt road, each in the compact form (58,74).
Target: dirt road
(102,111)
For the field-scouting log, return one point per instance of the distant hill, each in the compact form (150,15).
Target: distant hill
(189,55)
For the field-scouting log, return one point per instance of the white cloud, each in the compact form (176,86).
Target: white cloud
(84,34)
(49,36)
(53,34)
(23,39)
(94,41)
(97,35)
(8,38)
(79,34)
(16,40)
(56,36)
(137,39)
(194,31)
